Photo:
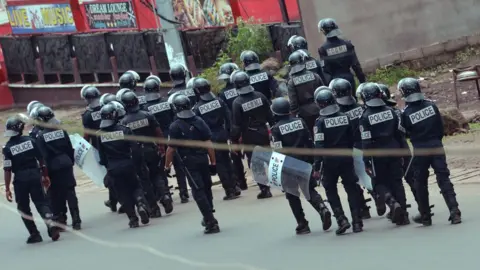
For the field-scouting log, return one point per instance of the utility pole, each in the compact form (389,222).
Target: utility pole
(171,35)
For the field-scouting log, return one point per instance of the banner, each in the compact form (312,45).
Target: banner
(203,13)
(47,18)
(116,15)
(3,12)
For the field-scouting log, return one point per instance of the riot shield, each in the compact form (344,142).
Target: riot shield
(281,172)
(86,158)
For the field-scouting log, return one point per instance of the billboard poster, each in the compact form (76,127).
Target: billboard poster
(111,15)
(203,13)
(3,12)
(44,18)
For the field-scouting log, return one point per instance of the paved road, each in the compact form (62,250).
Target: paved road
(255,235)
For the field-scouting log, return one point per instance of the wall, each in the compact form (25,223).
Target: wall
(382,27)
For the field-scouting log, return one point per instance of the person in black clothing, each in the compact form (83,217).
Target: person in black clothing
(22,158)
(424,125)
(291,131)
(187,126)
(153,179)
(334,130)
(251,113)
(380,129)
(129,80)
(260,80)
(178,74)
(118,155)
(32,113)
(91,116)
(300,43)
(217,116)
(58,153)
(338,55)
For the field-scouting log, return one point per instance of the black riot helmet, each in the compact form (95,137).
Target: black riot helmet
(297,61)
(92,95)
(32,104)
(127,80)
(280,106)
(241,81)
(109,115)
(46,114)
(190,82)
(410,89)
(320,89)
(120,93)
(14,126)
(154,77)
(326,102)
(342,89)
(182,106)
(386,95)
(250,60)
(329,28)
(203,88)
(299,43)
(226,70)
(178,73)
(290,44)
(107,98)
(130,101)
(359,92)
(372,95)
(152,89)
(134,74)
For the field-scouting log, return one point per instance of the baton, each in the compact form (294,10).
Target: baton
(185,170)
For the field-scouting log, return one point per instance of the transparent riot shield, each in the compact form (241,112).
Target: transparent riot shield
(281,172)
(87,158)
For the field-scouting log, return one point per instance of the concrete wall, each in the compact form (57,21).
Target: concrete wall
(382,27)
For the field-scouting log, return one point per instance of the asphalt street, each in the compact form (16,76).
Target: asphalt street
(255,235)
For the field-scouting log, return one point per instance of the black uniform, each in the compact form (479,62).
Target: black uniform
(337,57)
(335,131)
(57,150)
(251,113)
(118,155)
(182,88)
(217,116)
(91,120)
(292,132)
(301,87)
(196,161)
(34,132)
(163,112)
(423,124)
(263,82)
(21,157)
(153,178)
(228,94)
(380,130)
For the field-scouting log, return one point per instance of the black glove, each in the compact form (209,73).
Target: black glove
(213,169)
(167,171)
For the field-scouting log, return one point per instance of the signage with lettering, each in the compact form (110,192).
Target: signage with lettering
(46,18)
(116,15)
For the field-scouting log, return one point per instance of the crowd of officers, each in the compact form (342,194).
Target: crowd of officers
(321,111)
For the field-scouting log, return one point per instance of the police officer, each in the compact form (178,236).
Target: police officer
(178,74)
(380,129)
(22,158)
(334,130)
(228,95)
(91,116)
(423,124)
(217,116)
(260,80)
(338,55)
(107,98)
(129,80)
(408,170)
(312,64)
(342,90)
(58,153)
(32,113)
(187,126)
(291,131)
(118,155)
(301,88)
(154,180)
(251,113)
(164,113)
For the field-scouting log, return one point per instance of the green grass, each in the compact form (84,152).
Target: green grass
(391,75)
(474,126)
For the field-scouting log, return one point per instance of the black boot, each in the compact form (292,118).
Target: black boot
(230,195)
(379,204)
(342,222)
(365,212)
(155,212)
(211,227)
(325,214)
(167,203)
(302,228)
(357,221)
(76,221)
(396,209)
(62,222)
(455,216)
(133,223)
(404,221)
(112,206)
(242,181)
(184,196)
(143,211)
(264,193)
(238,191)
(34,238)
(53,231)
(425,216)
(121,210)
